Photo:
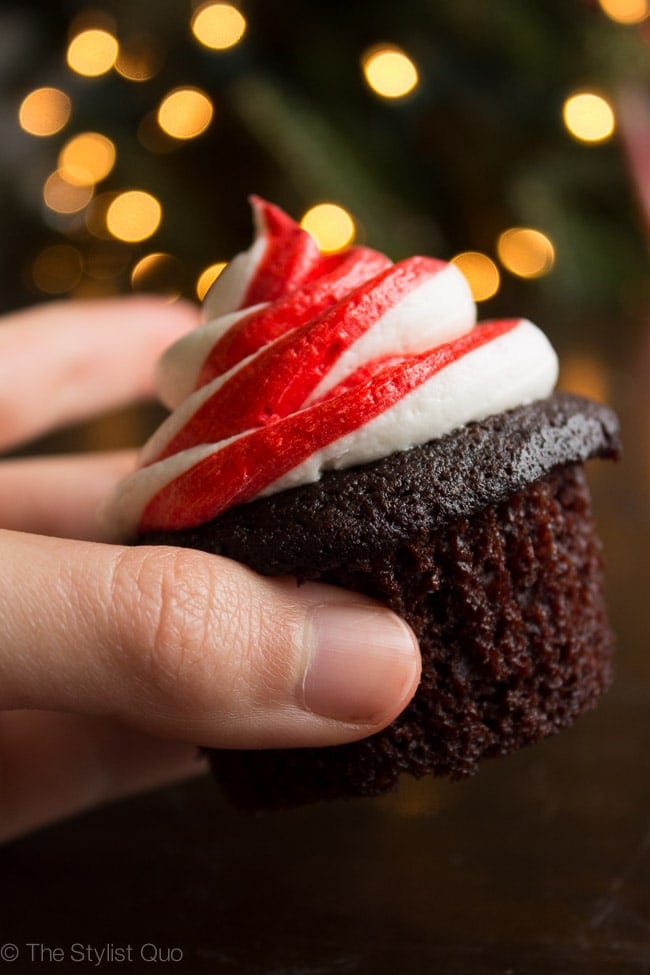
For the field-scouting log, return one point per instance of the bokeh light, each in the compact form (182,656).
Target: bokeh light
(330,225)
(389,71)
(140,58)
(159,272)
(589,117)
(218,25)
(86,159)
(57,269)
(133,216)
(481,273)
(44,111)
(62,196)
(207,277)
(185,113)
(526,252)
(626,11)
(92,52)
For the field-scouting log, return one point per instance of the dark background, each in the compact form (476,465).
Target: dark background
(542,862)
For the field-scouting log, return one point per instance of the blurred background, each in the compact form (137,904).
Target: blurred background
(512,137)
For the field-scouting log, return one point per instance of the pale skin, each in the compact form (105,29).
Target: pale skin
(117,661)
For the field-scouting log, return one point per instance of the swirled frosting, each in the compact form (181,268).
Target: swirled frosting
(307,362)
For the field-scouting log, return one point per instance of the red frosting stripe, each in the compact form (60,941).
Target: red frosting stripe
(339,274)
(241,469)
(281,377)
(290,258)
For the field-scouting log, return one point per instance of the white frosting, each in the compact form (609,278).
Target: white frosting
(178,369)
(229,290)
(516,368)
(438,310)
(425,305)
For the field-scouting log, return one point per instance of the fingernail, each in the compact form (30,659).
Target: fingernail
(363,663)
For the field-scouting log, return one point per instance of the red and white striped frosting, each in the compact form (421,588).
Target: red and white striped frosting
(309,362)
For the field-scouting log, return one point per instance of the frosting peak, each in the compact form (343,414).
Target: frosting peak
(308,362)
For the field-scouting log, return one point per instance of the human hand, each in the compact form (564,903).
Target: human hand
(115,662)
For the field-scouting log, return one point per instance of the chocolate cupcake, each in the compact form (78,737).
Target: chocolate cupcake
(349,422)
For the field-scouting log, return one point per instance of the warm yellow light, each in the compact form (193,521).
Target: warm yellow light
(86,159)
(482,273)
(207,278)
(44,111)
(185,113)
(140,58)
(626,11)
(330,225)
(526,252)
(389,72)
(218,25)
(92,52)
(159,272)
(133,216)
(57,269)
(64,197)
(589,117)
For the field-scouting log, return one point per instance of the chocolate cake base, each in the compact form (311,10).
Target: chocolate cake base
(505,595)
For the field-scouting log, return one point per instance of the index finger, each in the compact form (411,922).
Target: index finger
(68,360)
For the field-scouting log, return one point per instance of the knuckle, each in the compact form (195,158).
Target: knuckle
(171,610)
(204,634)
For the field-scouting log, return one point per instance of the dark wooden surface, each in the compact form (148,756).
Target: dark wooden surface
(540,864)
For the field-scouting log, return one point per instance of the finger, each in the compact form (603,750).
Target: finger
(55,764)
(194,647)
(66,360)
(61,495)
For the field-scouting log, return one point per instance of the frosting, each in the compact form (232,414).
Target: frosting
(309,362)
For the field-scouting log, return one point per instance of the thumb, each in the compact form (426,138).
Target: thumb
(195,647)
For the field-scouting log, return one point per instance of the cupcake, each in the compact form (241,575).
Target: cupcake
(345,419)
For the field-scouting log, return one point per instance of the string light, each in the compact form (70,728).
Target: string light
(626,11)
(185,113)
(481,273)
(207,277)
(330,225)
(389,71)
(92,52)
(86,159)
(526,252)
(218,25)
(133,216)
(44,111)
(589,117)
(57,269)
(63,197)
